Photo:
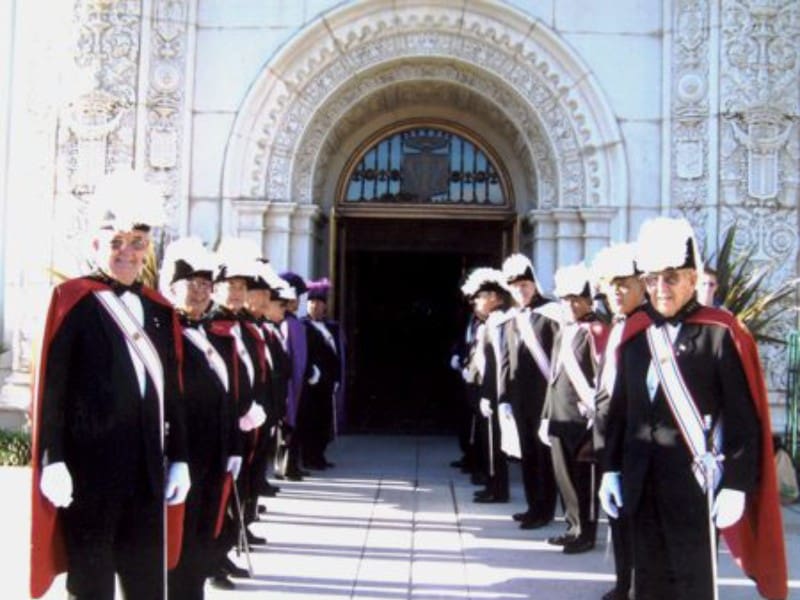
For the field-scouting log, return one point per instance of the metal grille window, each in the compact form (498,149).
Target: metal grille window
(425,166)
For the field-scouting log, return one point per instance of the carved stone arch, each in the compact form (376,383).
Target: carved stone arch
(336,54)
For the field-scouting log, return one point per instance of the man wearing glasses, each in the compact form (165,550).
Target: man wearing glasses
(108,415)
(688,412)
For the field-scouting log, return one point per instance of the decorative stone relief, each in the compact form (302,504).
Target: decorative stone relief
(357,51)
(166,97)
(690,112)
(759,167)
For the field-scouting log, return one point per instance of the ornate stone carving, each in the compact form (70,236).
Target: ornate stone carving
(690,112)
(314,82)
(166,98)
(759,167)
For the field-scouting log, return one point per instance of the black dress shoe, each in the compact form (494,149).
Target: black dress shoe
(523,516)
(491,499)
(328,464)
(561,540)
(579,545)
(232,569)
(314,465)
(615,594)
(534,523)
(221,582)
(262,510)
(457,464)
(478,479)
(481,493)
(255,540)
(295,475)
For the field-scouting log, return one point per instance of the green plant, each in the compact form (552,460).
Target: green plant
(741,286)
(15,448)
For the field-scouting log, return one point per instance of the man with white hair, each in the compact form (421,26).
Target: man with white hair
(108,415)
(689,394)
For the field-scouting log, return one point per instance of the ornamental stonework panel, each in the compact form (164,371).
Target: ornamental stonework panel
(760,140)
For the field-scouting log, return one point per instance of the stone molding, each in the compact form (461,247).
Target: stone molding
(517,64)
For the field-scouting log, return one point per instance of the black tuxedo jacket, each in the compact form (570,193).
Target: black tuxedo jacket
(93,415)
(642,438)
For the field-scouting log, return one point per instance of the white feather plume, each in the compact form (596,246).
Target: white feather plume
(572,280)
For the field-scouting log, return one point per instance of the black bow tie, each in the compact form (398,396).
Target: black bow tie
(120,288)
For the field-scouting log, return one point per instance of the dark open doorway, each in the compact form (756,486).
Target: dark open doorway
(403,312)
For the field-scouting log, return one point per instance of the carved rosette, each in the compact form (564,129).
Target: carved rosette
(760,141)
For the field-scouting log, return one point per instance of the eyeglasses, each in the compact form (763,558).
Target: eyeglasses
(200,285)
(669,277)
(137,243)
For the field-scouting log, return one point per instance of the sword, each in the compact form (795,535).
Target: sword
(491,446)
(708,464)
(242,543)
(472,431)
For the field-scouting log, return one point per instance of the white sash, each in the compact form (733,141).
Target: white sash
(215,361)
(609,373)
(267,351)
(495,335)
(138,341)
(244,355)
(528,336)
(573,370)
(683,408)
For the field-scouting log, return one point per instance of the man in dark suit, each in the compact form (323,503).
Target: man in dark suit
(322,378)
(108,414)
(530,345)
(569,408)
(616,270)
(678,358)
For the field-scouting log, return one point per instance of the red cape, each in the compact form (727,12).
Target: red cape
(48,553)
(756,540)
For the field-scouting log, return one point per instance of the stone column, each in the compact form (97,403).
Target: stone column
(569,232)
(544,246)
(304,240)
(596,229)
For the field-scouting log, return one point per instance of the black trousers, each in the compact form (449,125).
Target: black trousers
(577,484)
(538,479)
(197,562)
(671,543)
(622,544)
(115,531)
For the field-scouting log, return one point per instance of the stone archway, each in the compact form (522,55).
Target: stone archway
(287,135)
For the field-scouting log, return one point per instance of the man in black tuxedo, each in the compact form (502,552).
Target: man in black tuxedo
(616,270)
(323,375)
(109,413)
(647,460)
(530,346)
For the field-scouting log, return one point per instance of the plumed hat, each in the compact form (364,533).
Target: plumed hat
(319,289)
(573,280)
(124,201)
(297,282)
(518,267)
(283,290)
(484,279)
(237,257)
(667,243)
(185,258)
(616,260)
(264,276)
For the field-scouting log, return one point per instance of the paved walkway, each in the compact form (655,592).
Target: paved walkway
(393,521)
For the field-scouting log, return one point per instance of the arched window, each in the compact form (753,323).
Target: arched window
(425,165)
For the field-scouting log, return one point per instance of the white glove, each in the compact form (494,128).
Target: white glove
(728,507)
(465,374)
(315,374)
(234,466)
(178,483)
(504,411)
(485,408)
(586,411)
(56,484)
(455,362)
(253,418)
(544,431)
(610,493)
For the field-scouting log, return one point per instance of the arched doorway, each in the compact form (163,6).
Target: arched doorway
(352,73)
(419,204)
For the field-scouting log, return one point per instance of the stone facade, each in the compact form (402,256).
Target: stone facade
(246,113)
